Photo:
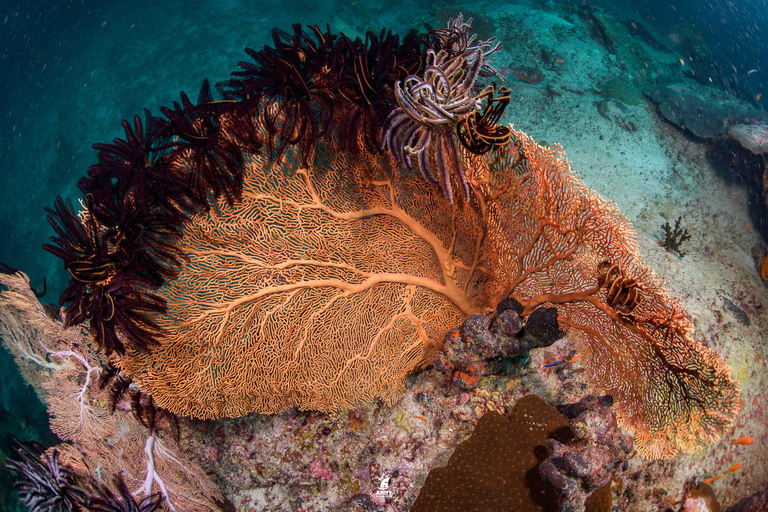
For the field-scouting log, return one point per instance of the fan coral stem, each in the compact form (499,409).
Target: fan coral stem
(152,476)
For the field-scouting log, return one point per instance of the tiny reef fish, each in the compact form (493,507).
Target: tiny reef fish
(731,469)
(744,441)
(564,361)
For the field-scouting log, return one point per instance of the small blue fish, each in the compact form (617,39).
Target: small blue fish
(564,361)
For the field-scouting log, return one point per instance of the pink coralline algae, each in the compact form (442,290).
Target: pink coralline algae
(320,469)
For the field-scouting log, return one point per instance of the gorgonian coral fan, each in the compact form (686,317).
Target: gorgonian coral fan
(318,273)
(309,293)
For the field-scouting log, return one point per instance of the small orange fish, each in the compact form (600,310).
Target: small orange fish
(422,418)
(733,468)
(758,96)
(710,480)
(744,441)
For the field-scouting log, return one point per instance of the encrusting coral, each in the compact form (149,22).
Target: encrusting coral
(495,469)
(319,275)
(592,458)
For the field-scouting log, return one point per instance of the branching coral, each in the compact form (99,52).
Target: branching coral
(674,237)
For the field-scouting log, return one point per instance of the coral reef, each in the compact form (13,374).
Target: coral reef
(275,241)
(495,468)
(375,455)
(479,347)
(319,274)
(592,458)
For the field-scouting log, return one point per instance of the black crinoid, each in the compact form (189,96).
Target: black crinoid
(214,156)
(288,88)
(480,132)
(422,131)
(106,288)
(42,481)
(138,198)
(144,187)
(365,87)
(142,405)
(104,500)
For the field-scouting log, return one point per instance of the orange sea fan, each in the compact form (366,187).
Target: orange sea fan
(328,284)
(549,239)
(324,287)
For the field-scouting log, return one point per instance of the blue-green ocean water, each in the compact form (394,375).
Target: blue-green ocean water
(70,71)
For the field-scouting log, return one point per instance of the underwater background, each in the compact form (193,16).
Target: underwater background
(71,71)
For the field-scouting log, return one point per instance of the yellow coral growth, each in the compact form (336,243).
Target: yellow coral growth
(322,288)
(548,234)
